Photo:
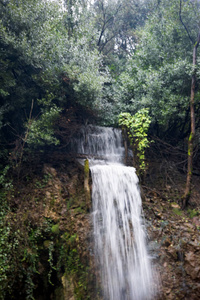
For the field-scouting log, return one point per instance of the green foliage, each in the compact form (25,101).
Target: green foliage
(27,46)
(47,50)
(5,249)
(158,75)
(20,253)
(43,56)
(75,267)
(193,213)
(55,229)
(5,231)
(5,182)
(116,22)
(137,127)
(40,184)
(50,260)
(41,130)
(177,211)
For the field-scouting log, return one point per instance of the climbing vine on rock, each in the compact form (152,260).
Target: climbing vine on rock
(136,128)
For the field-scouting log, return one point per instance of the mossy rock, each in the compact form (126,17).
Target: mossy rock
(47,243)
(86,167)
(55,229)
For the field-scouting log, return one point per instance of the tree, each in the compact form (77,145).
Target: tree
(158,75)
(45,59)
(116,22)
(28,57)
(192,113)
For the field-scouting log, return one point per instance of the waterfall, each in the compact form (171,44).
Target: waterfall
(119,233)
(99,142)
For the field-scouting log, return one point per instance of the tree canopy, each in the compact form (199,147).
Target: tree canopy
(158,76)
(107,57)
(44,60)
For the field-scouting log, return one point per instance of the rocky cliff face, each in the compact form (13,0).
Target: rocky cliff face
(51,238)
(174,234)
(175,245)
(50,244)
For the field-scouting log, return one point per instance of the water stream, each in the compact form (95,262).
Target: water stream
(119,233)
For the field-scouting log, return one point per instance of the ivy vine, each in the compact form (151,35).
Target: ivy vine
(137,127)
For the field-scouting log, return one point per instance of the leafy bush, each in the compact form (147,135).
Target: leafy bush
(137,128)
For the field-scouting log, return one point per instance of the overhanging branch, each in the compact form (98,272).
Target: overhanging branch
(184,23)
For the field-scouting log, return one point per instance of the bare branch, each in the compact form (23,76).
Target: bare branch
(184,23)
(106,24)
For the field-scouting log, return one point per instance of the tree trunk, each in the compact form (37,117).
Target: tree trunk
(187,193)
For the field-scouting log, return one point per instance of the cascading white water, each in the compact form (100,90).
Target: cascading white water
(119,235)
(100,142)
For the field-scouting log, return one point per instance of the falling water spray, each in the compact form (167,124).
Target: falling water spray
(119,232)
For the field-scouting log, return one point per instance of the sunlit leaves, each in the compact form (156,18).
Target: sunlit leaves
(137,127)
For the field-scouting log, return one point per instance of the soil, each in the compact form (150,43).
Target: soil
(174,234)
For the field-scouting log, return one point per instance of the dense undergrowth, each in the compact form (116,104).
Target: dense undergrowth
(43,248)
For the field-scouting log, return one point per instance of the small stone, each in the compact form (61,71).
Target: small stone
(165,265)
(48,195)
(57,186)
(168,291)
(175,205)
